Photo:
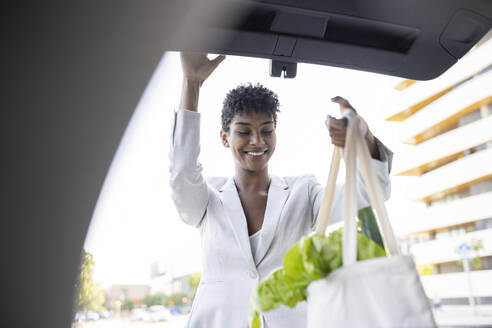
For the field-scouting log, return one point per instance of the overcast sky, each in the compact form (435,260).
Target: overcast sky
(135,222)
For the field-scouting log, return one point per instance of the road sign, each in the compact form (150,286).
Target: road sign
(465,252)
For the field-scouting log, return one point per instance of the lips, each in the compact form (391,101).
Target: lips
(255,154)
(256,151)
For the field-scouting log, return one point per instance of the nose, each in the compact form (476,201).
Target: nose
(256,139)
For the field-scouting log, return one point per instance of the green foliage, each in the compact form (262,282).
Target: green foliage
(476,262)
(127,305)
(89,296)
(194,281)
(254,319)
(161,299)
(157,299)
(477,245)
(98,299)
(312,258)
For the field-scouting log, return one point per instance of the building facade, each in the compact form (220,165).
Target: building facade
(164,281)
(446,126)
(121,293)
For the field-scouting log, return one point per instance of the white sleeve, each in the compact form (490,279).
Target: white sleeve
(381,168)
(189,190)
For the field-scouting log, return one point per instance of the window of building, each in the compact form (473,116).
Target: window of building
(483,224)
(481,187)
(469,118)
(486,263)
(474,189)
(482,263)
(465,301)
(465,192)
(447,232)
(448,267)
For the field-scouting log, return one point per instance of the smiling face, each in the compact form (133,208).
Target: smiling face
(252,139)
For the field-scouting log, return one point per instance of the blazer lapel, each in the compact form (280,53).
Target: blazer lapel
(277,196)
(237,219)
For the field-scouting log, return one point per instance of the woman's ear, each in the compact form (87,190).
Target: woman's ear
(224,137)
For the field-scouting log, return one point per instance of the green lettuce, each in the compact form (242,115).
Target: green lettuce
(310,259)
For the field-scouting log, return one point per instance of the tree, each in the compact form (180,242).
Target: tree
(194,281)
(175,299)
(157,299)
(128,305)
(476,245)
(89,296)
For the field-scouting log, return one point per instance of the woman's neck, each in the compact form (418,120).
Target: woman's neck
(252,181)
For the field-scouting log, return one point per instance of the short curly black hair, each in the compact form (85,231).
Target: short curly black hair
(246,97)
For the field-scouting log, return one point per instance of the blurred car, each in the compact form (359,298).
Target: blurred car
(104,314)
(139,314)
(159,313)
(87,316)
(91,316)
(79,316)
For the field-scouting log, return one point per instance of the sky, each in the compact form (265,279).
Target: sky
(135,222)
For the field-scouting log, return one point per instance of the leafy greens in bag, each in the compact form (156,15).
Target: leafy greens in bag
(312,258)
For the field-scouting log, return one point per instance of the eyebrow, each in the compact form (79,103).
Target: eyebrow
(246,123)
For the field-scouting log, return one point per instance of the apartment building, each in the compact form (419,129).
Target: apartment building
(446,126)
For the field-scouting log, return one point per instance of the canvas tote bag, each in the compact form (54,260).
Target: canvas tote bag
(380,292)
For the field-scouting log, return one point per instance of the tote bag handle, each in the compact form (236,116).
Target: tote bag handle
(327,202)
(355,146)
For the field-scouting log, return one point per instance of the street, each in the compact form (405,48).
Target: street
(448,316)
(463,316)
(176,322)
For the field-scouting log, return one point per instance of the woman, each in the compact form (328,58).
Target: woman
(247,222)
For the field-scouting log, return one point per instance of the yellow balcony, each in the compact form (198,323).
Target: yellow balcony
(444,113)
(422,94)
(444,148)
(452,177)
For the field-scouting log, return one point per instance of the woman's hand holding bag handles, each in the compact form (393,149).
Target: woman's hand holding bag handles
(381,292)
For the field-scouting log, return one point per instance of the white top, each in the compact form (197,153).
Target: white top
(254,240)
(229,271)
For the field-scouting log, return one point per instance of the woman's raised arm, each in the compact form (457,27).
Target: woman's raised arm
(189,189)
(196,69)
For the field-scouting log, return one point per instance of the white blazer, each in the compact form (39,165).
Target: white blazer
(229,272)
